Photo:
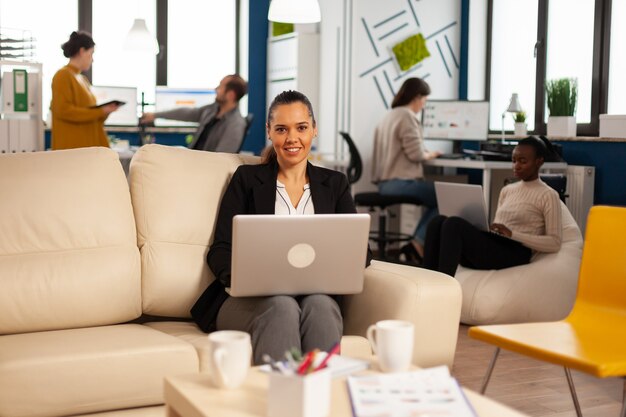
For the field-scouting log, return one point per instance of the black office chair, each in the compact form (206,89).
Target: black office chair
(376,202)
(249,119)
(557,181)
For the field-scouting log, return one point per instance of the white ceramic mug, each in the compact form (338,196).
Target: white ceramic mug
(230,355)
(392,342)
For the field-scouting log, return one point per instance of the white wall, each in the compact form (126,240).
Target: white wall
(357,90)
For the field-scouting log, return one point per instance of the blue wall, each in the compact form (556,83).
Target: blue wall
(609,158)
(257,64)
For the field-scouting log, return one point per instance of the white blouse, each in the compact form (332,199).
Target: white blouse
(283,203)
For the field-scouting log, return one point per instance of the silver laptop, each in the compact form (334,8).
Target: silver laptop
(308,254)
(462,200)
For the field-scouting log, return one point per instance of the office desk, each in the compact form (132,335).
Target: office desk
(491,188)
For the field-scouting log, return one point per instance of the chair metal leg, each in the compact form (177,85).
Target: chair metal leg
(382,233)
(623,413)
(572,390)
(487,377)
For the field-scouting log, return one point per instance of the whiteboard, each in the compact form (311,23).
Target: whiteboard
(456,120)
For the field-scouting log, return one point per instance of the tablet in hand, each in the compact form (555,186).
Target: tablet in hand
(118,102)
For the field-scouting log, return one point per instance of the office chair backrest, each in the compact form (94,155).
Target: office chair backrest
(249,119)
(558,182)
(355,166)
(602,279)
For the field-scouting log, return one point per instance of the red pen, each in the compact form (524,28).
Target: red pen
(306,362)
(331,352)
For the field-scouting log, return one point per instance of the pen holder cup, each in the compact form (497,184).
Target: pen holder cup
(299,395)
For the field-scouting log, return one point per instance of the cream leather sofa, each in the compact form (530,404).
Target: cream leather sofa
(83,262)
(543,290)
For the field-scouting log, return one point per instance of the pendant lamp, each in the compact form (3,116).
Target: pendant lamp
(139,38)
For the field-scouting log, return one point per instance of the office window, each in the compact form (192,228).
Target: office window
(201,38)
(570,49)
(513,65)
(34,16)
(114,66)
(617,66)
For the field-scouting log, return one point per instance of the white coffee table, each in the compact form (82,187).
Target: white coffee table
(195,396)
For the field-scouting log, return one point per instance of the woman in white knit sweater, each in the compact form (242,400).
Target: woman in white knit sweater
(528,220)
(398,155)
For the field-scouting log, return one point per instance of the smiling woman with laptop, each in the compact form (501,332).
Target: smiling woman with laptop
(277,270)
(527,220)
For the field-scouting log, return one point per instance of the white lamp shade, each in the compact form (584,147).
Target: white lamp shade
(514,105)
(139,38)
(294,11)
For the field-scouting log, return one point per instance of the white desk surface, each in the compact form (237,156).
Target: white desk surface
(488,179)
(477,164)
(194,396)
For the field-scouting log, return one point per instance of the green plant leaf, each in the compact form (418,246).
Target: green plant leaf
(519,117)
(561,96)
(279,28)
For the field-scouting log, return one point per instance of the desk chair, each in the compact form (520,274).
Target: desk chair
(592,338)
(558,182)
(249,119)
(376,202)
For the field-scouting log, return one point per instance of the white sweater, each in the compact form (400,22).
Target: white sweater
(532,211)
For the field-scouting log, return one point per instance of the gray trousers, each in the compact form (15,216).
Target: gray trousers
(280,322)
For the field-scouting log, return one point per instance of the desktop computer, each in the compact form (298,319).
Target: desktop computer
(455,121)
(169,98)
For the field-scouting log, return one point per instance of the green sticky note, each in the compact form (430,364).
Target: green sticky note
(410,51)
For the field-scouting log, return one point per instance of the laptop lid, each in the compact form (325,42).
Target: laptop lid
(295,255)
(462,200)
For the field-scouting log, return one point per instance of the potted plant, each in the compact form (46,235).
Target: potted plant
(520,123)
(561,97)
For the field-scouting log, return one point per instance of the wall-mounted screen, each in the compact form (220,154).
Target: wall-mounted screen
(168,98)
(456,120)
(125,115)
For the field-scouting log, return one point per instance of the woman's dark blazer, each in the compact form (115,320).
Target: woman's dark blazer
(252,190)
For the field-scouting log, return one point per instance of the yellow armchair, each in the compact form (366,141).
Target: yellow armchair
(592,338)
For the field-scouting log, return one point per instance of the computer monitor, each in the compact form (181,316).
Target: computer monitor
(456,120)
(125,115)
(168,98)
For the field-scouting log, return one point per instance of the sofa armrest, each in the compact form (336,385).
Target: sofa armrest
(428,299)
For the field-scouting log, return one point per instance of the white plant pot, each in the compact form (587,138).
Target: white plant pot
(562,126)
(520,129)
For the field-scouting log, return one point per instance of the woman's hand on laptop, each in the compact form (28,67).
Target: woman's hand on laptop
(500,229)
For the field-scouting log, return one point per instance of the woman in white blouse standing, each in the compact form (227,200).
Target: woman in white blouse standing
(285,183)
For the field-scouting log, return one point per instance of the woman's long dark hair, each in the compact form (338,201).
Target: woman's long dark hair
(411,88)
(286,97)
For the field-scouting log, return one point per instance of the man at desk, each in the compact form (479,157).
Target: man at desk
(220,125)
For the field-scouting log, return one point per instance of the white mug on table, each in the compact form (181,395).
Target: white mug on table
(392,342)
(230,354)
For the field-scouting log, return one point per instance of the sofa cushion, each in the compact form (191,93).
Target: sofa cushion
(68,246)
(176,194)
(543,290)
(353,346)
(66,372)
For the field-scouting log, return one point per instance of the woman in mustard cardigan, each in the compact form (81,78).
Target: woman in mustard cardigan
(76,123)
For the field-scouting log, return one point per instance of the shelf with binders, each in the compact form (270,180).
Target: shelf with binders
(21,124)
